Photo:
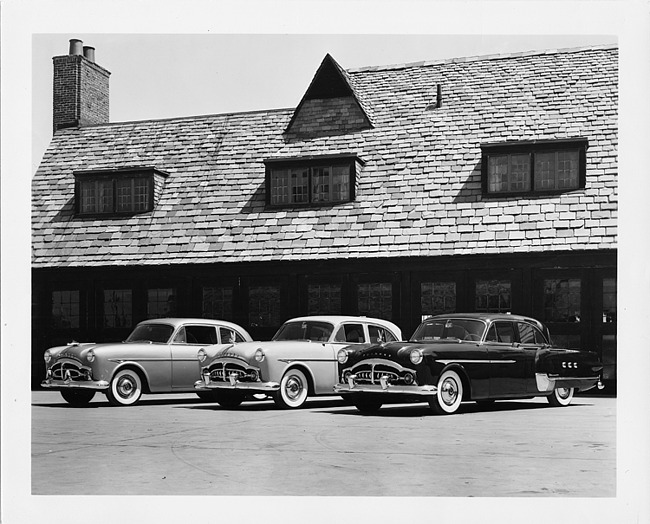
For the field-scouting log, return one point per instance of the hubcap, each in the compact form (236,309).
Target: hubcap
(126,387)
(293,387)
(449,391)
(563,393)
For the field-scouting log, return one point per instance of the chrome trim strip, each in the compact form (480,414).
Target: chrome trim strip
(70,384)
(292,360)
(343,389)
(469,361)
(262,387)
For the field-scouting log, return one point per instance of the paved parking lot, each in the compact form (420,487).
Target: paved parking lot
(181,446)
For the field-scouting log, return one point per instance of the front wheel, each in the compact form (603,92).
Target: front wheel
(449,395)
(78,397)
(125,388)
(293,390)
(560,397)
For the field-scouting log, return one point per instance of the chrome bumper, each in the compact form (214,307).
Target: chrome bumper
(97,385)
(383,387)
(234,384)
(547,383)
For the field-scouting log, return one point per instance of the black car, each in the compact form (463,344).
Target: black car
(460,357)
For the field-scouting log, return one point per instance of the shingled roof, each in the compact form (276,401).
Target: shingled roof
(419,191)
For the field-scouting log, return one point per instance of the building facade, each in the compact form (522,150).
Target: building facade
(474,184)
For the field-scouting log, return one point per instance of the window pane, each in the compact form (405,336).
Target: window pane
(497,173)
(545,171)
(299,186)
(562,300)
(118,309)
(321,184)
(609,300)
(376,300)
(340,183)
(279,186)
(141,194)
(519,173)
(161,303)
(556,170)
(437,298)
(567,169)
(217,302)
(264,306)
(324,299)
(65,309)
(88,196)
(493,296)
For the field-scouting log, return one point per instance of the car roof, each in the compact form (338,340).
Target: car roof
(486,316)
(337,319)
(180,321)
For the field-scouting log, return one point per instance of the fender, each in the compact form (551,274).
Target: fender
(136,365)
(464,377)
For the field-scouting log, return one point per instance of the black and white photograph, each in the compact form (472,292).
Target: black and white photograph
(272,261)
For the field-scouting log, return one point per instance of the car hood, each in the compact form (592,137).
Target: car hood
(400,351)
(246,350)
(78,351)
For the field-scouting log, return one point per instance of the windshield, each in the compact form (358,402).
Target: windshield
(455,329)
(305,330)
(157,333)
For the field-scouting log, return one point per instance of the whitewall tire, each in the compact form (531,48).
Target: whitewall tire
(294,389)
(125,388)
(560,397)
(449,395)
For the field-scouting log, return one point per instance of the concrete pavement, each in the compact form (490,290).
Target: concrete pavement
(177,445)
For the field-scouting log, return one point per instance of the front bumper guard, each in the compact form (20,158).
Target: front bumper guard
(384,386)
(234,384)
(96,385)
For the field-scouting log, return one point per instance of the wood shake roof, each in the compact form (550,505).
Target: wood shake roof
(419,191)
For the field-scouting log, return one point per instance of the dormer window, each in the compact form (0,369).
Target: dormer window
(311,181)
(533,167)
(117,192)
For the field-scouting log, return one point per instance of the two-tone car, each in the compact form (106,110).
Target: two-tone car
(460,357)
(159,356)
(299,362)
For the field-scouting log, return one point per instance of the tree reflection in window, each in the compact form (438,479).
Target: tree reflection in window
(493,296)
(118,309)
(65,309)
(562,300)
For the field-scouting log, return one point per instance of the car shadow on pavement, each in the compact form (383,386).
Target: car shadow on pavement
(269,405)
(467,408)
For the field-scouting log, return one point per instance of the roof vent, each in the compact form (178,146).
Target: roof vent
(76,47)
(438,103)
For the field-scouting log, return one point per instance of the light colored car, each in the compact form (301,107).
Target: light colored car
(159,356)
(298,362)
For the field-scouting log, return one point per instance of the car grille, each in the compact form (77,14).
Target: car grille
(222,371)
(371,373)
(69,371)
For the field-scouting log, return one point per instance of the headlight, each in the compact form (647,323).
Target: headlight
(90,356)
(47,356)
(259,355)
(342,356)
(201,355)
(416,356)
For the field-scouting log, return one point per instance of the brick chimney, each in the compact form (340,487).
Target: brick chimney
(80,88)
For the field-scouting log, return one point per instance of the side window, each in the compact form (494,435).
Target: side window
(352,333)
(379,335)
(526,333)
(181,337)
(229,336)
(530,334)
(501,332)
(200,335)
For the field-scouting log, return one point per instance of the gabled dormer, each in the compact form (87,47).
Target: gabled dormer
(330,105)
